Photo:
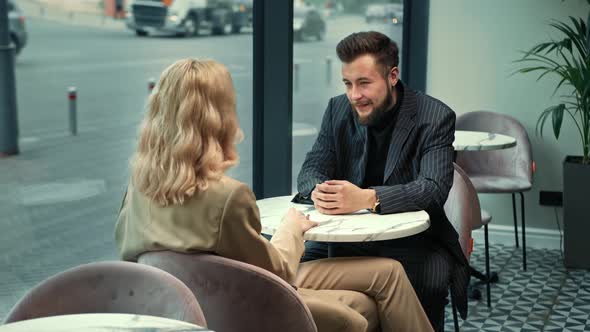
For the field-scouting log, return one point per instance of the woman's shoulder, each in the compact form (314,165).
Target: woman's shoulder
(224,188)
(227,185)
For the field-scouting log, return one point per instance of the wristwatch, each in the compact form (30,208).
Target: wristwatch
(376,206)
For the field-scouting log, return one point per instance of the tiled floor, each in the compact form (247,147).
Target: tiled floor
(544,298)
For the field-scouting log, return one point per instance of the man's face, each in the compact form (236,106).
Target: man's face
(369,92)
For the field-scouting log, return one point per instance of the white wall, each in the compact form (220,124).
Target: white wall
(472,46)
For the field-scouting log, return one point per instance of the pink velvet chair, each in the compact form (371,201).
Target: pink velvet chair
(463,211)
(236,296)
(500,171)
(110,287)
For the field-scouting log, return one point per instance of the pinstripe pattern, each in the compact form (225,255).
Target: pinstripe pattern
(418,172)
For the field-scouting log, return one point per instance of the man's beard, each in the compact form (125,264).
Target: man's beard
(378,112)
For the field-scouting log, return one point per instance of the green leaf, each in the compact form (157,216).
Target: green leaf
(578,38)
(556,113)
(541,121)
(557,119)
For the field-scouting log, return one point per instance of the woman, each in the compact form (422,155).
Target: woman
(179,199)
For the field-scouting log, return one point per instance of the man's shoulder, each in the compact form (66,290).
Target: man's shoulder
(338,111)
(428,107)
(339,102)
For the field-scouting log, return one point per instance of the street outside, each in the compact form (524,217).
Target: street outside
(59,198)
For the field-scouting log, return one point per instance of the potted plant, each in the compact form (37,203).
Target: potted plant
(568,60)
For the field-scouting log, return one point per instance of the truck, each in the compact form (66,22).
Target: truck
(188,17)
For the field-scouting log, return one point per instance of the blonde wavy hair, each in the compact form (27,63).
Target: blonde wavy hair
(189,134)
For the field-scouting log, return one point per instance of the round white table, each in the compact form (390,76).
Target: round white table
(101,323)
(361,226)
(481,141)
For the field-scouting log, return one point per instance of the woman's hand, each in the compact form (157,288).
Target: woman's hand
(294,215)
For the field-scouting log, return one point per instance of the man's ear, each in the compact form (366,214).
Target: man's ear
(393,76)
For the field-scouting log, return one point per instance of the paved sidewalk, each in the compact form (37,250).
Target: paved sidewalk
(58,205)
(74,12)
(59,197)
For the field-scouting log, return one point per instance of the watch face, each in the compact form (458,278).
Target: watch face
(376,206)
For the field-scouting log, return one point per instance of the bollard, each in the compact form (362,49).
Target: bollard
(328,70)
(296,76)
(72,95)
(151,84)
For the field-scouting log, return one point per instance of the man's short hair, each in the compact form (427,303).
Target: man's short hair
(381,47)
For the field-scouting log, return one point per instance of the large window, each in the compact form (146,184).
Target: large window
(60,196)
(318,26)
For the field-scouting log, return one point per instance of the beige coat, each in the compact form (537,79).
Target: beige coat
(223,219)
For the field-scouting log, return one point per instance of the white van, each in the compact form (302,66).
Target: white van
(184,17)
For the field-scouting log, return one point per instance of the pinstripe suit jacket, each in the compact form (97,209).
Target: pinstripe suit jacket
(418,171)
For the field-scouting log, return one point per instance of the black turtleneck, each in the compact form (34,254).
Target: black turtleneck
(379,139)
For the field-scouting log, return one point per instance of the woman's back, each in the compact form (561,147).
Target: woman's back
(222,219)
(143,225)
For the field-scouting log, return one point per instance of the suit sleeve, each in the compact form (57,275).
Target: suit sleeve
(240,239)
(320,162)
(430,189)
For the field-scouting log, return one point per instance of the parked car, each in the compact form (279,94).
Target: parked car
(16,26)
(385,13)
(308,22)
(186,17)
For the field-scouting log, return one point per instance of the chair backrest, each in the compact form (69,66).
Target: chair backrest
(110,287)
(462,209)
(236,296)
(516,161)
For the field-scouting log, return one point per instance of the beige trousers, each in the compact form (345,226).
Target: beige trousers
(331,288)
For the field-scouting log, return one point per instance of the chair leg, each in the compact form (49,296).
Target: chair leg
(514,217)
(523,232)
(488,281)
(455,318)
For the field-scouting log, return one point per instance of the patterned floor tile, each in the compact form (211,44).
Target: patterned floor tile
(546,297)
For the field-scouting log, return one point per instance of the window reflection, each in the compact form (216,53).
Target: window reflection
(59,197)
(316,69)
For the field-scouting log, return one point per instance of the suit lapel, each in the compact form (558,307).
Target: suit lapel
(401,130)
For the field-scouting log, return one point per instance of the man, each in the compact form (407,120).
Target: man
(386,148)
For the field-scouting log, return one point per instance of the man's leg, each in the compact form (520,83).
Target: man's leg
(355,249)
(330,314)
(315,250)
(318,250)
(382,279)
(427,265)
(428,268)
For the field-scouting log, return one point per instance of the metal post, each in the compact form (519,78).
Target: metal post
(328,70)
(8,110)
(151,84)
(72,96)
(296,76)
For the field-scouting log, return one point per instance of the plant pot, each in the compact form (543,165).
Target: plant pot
(576,212)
